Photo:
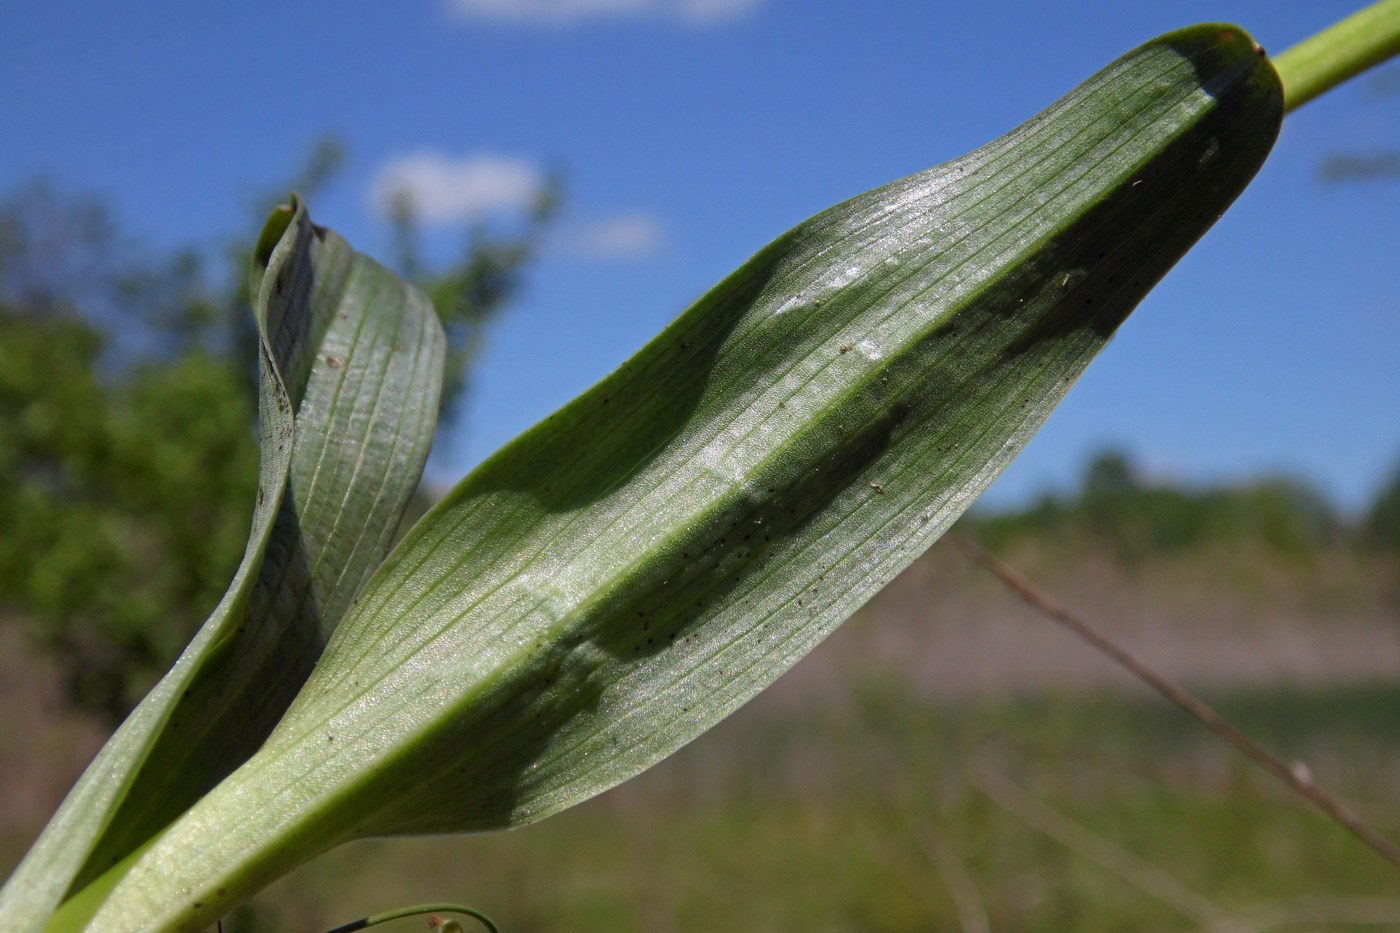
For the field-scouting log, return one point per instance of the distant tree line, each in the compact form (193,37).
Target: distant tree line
(128,464)
(1115,506)
(128,461)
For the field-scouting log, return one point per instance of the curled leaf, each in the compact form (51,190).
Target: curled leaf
(351,370)
(638,565)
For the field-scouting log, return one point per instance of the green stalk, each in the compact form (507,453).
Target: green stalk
(1339,53)
(417,910)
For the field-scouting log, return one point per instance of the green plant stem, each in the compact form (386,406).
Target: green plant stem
(1338,53)
(415,911)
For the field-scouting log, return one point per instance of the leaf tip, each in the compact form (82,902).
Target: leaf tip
(277,223)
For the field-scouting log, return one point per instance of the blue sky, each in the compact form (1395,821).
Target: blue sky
(690,133)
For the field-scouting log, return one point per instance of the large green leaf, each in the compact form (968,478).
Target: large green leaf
(631,570)
(351,370)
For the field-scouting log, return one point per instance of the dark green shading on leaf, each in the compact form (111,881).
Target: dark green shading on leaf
(357,356)
(634,568)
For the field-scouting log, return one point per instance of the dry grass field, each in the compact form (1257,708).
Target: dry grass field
(948,760)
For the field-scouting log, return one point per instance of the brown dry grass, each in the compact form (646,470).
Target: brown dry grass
(944,632)
(43,744)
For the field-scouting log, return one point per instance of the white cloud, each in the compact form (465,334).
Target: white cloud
(564,12)
(441,189)
(715,11)
(629,236)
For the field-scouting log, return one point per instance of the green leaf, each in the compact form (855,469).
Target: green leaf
(357,355)
(634,568)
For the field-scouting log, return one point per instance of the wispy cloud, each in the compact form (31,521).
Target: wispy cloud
(695,13)
(628,236)
(442,189)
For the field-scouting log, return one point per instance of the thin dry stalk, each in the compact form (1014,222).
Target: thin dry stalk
(1108,855)
(1359,911)
(967,900)
(911,815)
(1299,778)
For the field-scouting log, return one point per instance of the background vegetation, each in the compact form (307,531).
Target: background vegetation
(128,460)
(948,760)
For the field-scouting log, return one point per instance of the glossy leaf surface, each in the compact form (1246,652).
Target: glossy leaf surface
(634,568)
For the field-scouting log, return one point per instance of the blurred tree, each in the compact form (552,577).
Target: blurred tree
(1109,475)
(1135,519)
(1288,515)
(472,291)
(128,462)
(1377,163)
(1340,167)
(1382,525)
(124,498)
